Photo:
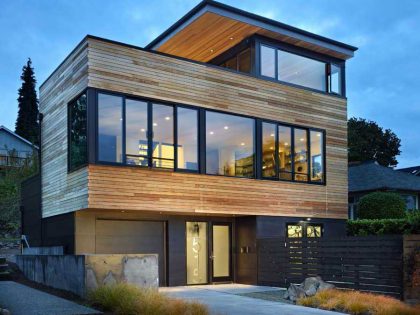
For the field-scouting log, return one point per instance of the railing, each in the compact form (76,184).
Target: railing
(14,161)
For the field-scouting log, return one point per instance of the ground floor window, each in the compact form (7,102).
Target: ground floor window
(300,230)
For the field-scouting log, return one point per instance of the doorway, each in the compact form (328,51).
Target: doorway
(209,252)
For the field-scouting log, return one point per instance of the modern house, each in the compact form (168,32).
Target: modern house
(15,150)
(227,128)
(368,177)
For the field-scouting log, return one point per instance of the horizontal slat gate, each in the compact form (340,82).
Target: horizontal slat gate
(372,264)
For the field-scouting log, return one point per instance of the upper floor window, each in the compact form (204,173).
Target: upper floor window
(77,115)
(240,62)
(187,144)
(229,145)
(299,70)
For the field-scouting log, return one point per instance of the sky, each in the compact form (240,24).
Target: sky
(383,79)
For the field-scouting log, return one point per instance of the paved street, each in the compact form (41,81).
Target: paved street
(224,299)
(22,300)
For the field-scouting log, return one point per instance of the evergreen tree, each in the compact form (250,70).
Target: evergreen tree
(27,120)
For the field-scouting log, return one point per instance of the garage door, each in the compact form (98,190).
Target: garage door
(132,237)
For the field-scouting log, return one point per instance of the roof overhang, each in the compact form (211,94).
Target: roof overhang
(211,28)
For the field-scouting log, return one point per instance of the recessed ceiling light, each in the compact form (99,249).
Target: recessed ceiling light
(301,139)
(286,144)
(155,124)
(318,135)
(272,135)
(211,132)
(167,118)
(271,148)
(226,127)
(242,143)
(230,38)
(211,50)
(142,130)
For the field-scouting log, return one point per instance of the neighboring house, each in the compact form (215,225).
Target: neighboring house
(14,150)
(414,170)
(227,128)
(368,177)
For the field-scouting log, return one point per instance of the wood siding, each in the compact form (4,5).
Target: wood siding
(132,71)
(61,192)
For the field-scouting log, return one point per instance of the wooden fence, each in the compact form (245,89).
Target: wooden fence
(373,263)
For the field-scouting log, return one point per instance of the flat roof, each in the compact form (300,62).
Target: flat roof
(261,25)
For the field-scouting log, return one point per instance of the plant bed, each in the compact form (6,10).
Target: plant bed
(126,299)
(358,303)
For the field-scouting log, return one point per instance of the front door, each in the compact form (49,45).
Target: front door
(221,252)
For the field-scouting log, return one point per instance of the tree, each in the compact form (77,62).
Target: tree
(27,125)
(368,141)
(381,205)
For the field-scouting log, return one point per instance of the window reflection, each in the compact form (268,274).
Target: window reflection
(136,132)
(110,122)
(334,79)
(244,61)
(268,61)
(301,155)
(294,231)
(269,150)
(78,132)
(163,136)
(301,70)
(285,152)
(229,145)
(317,160)
(187,139)
(313,230)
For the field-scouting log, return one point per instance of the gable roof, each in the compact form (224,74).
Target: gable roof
(14,134)
(371,176)
(229,13)
(414,170)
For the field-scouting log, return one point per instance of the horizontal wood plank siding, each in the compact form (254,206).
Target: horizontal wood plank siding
(128,70)
(61,192)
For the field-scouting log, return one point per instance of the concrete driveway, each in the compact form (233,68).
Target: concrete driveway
(228,299)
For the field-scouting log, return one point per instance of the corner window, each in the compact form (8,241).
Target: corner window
(77,115)
(317,156)
(110,125)
(229,145)
(334,79)
(240,62)
(268,61)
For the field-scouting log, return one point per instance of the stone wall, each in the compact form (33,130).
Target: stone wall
(81,273)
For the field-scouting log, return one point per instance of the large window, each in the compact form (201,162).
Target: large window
(110,123)
(240,62)
(78,132)
(143,133)
(187,145)
(229,145)
(292,68)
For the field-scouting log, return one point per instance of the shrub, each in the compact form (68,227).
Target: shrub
(381,205)
(126,299)
(358,303)
(408,225)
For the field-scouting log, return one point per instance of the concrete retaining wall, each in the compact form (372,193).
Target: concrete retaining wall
(81,273)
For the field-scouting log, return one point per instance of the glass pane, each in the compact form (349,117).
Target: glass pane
(196,252)
(268,63)
(221,251)
(317,156)
(244,61)
(110,123)
(335,79)
(301,70)
(314,231)
(187,139)
(163,136)
(285,152)
(269,150)
(301,155)
(136,132)
(231,64)
(294,230)
(229,145)
(410,201)
(78,132)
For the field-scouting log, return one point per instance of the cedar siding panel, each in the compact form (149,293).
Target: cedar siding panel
(61,192)
(145,74)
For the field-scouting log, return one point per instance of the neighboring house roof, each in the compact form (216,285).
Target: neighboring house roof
(14,134)
(414,170)
(370,176)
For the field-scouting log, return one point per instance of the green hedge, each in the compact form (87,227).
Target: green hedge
(381,205)
(408,225)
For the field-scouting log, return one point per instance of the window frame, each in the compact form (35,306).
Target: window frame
(263,41)
(71,169)
(304,225)
(201,112)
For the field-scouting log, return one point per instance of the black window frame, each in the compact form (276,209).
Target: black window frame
(304,225)
(71,169)
(201,112)
(328,61)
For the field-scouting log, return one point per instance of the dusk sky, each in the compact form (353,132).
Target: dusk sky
(383,79)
